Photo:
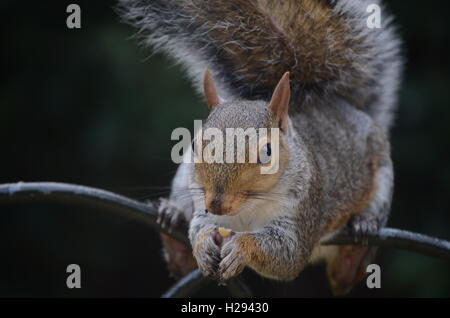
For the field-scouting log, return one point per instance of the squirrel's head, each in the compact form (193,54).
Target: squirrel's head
(244,156)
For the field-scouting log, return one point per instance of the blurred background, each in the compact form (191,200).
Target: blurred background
(88,106)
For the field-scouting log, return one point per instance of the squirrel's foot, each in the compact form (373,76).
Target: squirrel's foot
(363,225)
(234,256)
(169,215)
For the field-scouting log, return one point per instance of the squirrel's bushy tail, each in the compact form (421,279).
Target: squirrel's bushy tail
(248,45)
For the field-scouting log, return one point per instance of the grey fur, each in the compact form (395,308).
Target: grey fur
(339,171)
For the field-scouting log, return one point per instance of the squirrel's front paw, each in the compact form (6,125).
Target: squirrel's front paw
(169,215)
(207,253)
(234,255)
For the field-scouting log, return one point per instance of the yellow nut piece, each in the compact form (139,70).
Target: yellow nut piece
(224,232)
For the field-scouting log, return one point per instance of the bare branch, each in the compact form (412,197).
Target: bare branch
(51,192)
(62,193)
(70,194)
(402,239)
(187,286)
(194,281)
(238,288)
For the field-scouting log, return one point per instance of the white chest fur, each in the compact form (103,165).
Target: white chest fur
(255,214)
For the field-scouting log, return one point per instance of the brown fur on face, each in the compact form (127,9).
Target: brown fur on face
(228,186)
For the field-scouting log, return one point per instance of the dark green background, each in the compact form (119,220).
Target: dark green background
(89,107)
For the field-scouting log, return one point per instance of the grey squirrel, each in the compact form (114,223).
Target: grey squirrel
(334,108)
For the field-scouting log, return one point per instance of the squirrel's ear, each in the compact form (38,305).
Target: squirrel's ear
(211,96)
(279,103)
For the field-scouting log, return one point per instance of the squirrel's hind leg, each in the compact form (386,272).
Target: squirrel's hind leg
(178,257)
(347,267)
(375,216)
(174,211)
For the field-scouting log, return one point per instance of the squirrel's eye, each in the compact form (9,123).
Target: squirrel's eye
(265,154)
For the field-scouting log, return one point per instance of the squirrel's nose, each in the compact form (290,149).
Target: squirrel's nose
(214,205)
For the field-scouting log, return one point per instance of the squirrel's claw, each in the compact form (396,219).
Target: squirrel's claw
(169,216)
(362,225)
